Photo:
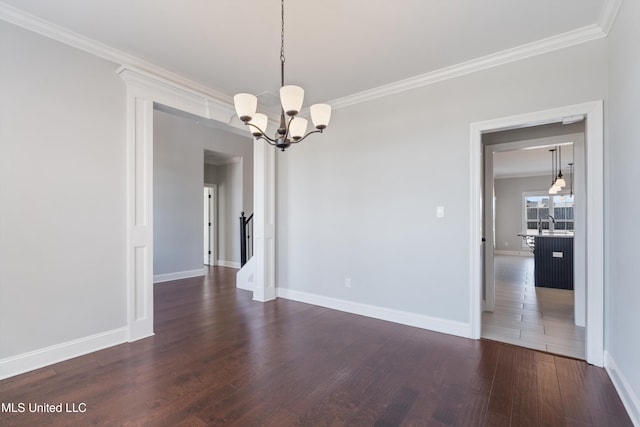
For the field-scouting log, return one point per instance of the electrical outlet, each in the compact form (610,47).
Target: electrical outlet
(440,212)
(347,282)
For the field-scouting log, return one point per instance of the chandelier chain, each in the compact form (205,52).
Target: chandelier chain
(282,33)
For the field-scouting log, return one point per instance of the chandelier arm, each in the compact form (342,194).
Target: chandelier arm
(263,134)
(305,137)
(286,135)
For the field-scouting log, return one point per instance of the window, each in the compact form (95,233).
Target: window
(538,205)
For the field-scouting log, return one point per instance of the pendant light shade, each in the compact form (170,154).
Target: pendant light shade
(298,128)
(246,105)
(258,124)
(320,115)
(291,98)
(560,182)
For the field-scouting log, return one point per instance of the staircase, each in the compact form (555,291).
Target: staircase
(245,276)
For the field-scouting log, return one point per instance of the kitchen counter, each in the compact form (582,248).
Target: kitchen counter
(562,234)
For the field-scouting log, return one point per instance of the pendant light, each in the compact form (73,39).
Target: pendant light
(292,129)
(560,182)
(554,189)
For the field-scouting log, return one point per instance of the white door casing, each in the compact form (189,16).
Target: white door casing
(143,90)
(594,239)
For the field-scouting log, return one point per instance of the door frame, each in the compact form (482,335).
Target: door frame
(143,90)
(594,239)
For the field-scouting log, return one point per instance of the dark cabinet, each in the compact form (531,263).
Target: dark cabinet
(554,262)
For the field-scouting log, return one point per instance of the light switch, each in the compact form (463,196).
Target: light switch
(440,211)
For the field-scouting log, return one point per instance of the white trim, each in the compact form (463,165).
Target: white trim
(246,275)
(608,14)
(539,47)
(513,253)
(179,96)
(595,214)
(629,398)
(230,264)
(167,277)
(53,31)
(403,317)
(36,359)
(143,90)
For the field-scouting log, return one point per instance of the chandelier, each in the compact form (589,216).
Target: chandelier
(292,129)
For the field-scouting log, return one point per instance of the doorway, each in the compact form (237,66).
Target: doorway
(594,207)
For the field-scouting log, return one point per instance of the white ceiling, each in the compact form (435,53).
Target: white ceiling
(529,162)
(334,48)
(217,158)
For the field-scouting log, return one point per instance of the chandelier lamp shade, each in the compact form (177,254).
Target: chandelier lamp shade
(292,129)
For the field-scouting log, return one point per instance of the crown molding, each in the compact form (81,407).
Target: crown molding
(585,34)
(101,50)
(539,47)
(167,92)
(608,14)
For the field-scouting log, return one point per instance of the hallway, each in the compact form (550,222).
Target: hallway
(537,318)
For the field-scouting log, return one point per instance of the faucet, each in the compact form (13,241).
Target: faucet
(540,222)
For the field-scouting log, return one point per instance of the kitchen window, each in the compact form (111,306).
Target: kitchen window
(537,205)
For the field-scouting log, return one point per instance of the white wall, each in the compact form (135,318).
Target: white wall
(509,209)
(62,193)
(179,145)
(623,268)
(360,201)
(229,181)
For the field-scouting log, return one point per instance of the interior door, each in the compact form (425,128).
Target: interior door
(488,227)
(209,225)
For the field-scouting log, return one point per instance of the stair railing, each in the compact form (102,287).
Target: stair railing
(246,238)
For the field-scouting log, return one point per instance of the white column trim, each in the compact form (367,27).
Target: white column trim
(264,221)
(594,146)
(143,90)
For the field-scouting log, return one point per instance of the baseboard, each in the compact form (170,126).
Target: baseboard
(513,253)
(403,317)
(230,264)
(627,395)
(159,278)
(36,359)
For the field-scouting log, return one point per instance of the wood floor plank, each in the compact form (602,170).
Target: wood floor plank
(220,358)
(549,399)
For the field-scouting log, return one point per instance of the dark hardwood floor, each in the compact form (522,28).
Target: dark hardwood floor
(219,358)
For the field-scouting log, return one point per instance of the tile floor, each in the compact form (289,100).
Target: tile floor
(538,318)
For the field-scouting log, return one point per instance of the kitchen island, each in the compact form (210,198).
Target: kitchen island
(553,257)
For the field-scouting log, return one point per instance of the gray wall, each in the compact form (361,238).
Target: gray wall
(509,212)
(62,193)
(231,192)
(360,200)
(623,207)
(178,174)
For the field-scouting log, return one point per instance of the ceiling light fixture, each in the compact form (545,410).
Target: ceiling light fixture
(554,189)
(560,182)
(289,131)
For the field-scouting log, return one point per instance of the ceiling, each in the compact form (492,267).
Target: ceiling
(215,158)
(530,162)
(334,48)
